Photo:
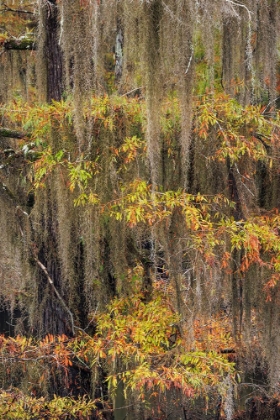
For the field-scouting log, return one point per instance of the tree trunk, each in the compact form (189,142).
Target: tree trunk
(53,55)
(50,69)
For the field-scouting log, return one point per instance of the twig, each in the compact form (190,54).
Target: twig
(132,91)
(269,104)
(261,388)
(92,318)
(237,170)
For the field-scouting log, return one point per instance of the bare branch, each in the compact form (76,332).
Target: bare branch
(34,252)
(133,92)
(10,9)
(60,298)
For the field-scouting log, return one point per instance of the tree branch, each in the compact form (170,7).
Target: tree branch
(9,9)
(14,134)
(34,252)
(60,298)
(22,43)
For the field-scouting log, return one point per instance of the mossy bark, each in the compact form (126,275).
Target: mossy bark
(14,134)
(23,43)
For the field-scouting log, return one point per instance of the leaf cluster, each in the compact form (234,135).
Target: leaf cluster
(140,345)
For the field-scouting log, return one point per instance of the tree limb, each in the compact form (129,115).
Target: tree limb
(23,43)
(14,134)
(7,8)
(34,252)
(58,295)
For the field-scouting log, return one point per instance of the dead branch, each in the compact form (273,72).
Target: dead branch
(50,280)
(7,8)
(58,295)
(7,132)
